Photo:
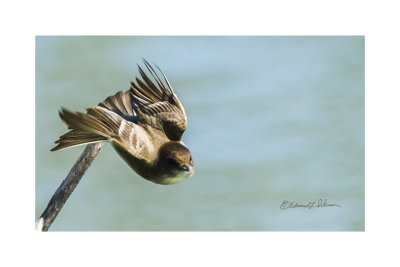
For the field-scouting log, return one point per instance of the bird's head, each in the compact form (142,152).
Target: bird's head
(175,161)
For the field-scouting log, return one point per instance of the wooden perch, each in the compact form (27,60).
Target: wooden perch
(67,186)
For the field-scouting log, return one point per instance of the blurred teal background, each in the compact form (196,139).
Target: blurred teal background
(269,119)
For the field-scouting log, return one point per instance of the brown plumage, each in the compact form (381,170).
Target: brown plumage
(144,125)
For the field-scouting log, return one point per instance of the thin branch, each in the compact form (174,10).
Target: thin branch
(67,186)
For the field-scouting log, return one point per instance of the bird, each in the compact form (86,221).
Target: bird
(144,125)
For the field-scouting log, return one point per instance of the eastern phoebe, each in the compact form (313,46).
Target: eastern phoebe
(144,125)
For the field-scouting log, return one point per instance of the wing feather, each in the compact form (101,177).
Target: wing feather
(157,99)
(150,100)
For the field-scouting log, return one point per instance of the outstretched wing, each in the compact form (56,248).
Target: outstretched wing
(158,100)
(151,102)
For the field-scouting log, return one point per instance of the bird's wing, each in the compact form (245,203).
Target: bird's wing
(156,100)
(150,102)
(121,103)
(128,135)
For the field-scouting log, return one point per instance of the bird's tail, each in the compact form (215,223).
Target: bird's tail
(98,124)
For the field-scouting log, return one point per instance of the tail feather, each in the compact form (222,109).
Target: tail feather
(95,126)
(67,142)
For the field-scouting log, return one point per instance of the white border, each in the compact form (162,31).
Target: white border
(22,20)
